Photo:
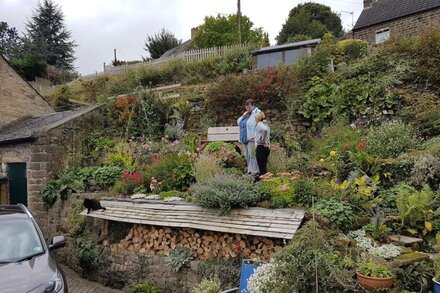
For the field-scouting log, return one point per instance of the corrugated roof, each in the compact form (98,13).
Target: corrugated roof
(284,47)
(29,128)
(386,10)
(280,223)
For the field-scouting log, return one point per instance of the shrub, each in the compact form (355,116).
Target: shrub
(389,140)
(412,206)
(277,161)
(281,191)
(311,251)
(336,212)
(371,269)
(172,193)
(389,196)
(217,146)
(416,277)
(352,49)
(209,286)
(227,271)
(172,171)
(75,222)
(206,167)
(141,288)
(225,154)
(179,257)
(226,192)
(429,51)
(304,192)
(426,171)
(87,254)
(433,145)
(266,279)
(423,113)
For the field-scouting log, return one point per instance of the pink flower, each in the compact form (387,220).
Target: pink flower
(176,141)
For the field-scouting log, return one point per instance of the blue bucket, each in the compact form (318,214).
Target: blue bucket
(247,269)
(436,286)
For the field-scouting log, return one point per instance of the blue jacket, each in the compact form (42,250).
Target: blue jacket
(250,125)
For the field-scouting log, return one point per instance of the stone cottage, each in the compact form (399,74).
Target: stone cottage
(35,141)
(383,19)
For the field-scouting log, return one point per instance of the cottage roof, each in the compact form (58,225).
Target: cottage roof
(288,46)
(386,10)
(30,127)
(177,50)
(280,223)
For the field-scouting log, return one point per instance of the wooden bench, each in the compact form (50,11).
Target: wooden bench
(226,134)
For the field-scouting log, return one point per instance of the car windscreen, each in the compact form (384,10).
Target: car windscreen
(18,240)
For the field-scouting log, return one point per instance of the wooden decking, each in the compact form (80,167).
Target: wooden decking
(280,223)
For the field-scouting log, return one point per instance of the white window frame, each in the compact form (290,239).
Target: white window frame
(382,35)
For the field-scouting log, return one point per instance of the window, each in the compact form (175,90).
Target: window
(382,35)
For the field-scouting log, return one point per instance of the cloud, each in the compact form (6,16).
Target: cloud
(99,26)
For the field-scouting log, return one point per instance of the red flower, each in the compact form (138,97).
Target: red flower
(346,146)
(361,145)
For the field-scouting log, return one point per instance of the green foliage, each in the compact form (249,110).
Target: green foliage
(9,41)
(141,288)
(336,212)
(209,286)
(433,145)
(389,196)
(171,193)
(227,271)
(222,31)
(206,167)
(30,66)
(311,251)
(225,154)
(216,146)
(310,19)
(281,191)
(161,42)
(226,192)
(87,254)
(428,51)
(413,205)
(437,269)
(426,170)
(416,277)
(173,172)
(277,161)
(179,257)
(371,269)
(423,113)
(75,222)
(47,35)
(389,140)
(304,192)
(353,49)
(121,157)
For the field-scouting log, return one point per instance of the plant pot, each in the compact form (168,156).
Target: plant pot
(436,285)
(372,283)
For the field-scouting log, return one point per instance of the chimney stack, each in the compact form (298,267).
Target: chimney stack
(194,31)
(369,3)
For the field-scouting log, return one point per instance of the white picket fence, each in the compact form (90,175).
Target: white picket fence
(187,56)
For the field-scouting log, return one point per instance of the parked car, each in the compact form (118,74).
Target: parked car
(26,263)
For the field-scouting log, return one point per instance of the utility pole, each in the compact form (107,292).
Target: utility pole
(239,21)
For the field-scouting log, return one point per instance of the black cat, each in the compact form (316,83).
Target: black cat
(93,205)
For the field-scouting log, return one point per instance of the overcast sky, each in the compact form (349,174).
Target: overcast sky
(99,26)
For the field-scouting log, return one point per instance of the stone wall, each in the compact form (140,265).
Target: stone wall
(407,26)
(45,157)
(17,98)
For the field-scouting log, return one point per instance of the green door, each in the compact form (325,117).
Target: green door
(17,183)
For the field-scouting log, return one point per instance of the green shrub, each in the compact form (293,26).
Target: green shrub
(225,153)
(75,222)
(353,49)
(217,146)
(336,212)
(87,254)
(172,193)
(226,192)
(433,145)
(227,271)
(423,113)
(389,196)
(277,161)
(206,167)
(428,52)
(179,257)
(389,140)
(173,172)
(416,277)
(371,269)
(412,205)
(426,171)
(209,286)
(304,192)
(281,191)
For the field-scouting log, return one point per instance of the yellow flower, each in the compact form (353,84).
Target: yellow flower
(428,226)
(322,160)
(332,154)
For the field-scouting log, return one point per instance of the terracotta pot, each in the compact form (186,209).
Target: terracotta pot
(371,283)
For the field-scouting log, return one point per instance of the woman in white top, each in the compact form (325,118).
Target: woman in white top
(262,142)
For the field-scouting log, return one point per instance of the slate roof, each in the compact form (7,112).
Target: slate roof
(386,10)
(280,223)
(29,128)
(288,46)
(177,50)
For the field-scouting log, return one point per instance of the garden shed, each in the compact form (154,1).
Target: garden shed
(285,54)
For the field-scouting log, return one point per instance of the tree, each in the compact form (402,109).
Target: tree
(311,20)
(30,65)
(47,35)
(222,30)
(9,41)
(161,42)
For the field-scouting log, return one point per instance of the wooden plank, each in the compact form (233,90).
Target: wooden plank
(223,130)
(222,137)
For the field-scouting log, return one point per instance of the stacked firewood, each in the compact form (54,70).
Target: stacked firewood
(206,244)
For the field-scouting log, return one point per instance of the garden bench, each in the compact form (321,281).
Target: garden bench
(226,134)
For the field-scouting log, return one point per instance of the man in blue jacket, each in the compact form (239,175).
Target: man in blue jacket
(247,125)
